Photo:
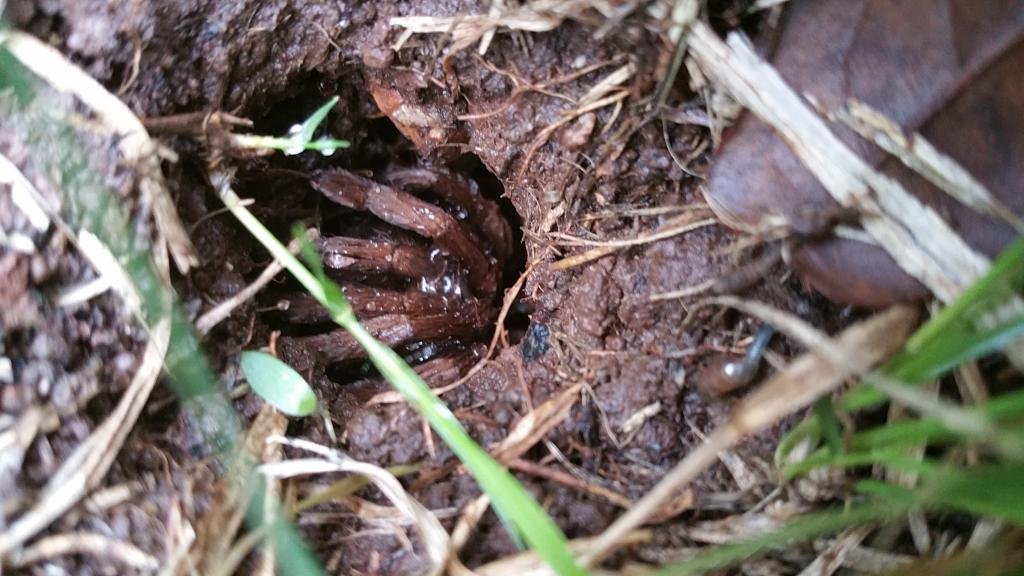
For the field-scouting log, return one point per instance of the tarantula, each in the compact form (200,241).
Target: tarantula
(420,258)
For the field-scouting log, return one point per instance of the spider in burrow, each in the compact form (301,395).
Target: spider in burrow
(419,255)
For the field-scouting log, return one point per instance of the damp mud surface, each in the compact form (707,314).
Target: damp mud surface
(614,172)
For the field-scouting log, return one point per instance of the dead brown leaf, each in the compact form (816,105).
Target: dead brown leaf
(950,70)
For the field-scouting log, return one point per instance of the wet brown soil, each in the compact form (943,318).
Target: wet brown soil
(275,61)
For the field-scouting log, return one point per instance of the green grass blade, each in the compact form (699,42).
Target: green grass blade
(300,137)
(995,490)
(992,491)
(1004,278)
(953,336)
(803,528)
(508,497)
(893,458)
(828,422)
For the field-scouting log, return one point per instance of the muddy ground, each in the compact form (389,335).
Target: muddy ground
(424,105)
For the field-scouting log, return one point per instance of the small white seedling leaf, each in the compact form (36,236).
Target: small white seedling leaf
(277,383)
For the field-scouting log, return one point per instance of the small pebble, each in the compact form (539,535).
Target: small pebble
(535,343)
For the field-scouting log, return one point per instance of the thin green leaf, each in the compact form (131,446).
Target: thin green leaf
(1004,278)
(976,324)
(313,122)
(829,424)
(893,458)
(300,137)
(994,490)
(803,528)
(290,145)
(278,383)
(293,556)
(962,331)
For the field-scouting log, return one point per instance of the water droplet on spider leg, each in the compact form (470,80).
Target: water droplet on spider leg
(338,261)
(295,129)
(422,351)
(328,151)
(461,286)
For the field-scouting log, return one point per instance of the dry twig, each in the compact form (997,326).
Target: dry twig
(218,313)
(466,29)
(687,222)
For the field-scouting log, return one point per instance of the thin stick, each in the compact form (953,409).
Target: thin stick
(604,248)
(555,475)
(218,313)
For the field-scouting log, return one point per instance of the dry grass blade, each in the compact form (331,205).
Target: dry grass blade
(863,560)
(766,4)
(133,140)
(918,154)
(607,91)
(737,527)
(629,212)
(83,543)
(835,554)
(914,234)
(24,194)
(218,313)
(464,30)
(674,228)
(435,538)
(107,267)
(470,517)
(15,438)
(88,464)
(217,550)
(680,225)
(804,380)
(693,290)
(82,293)
(528,564)
(535,425)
